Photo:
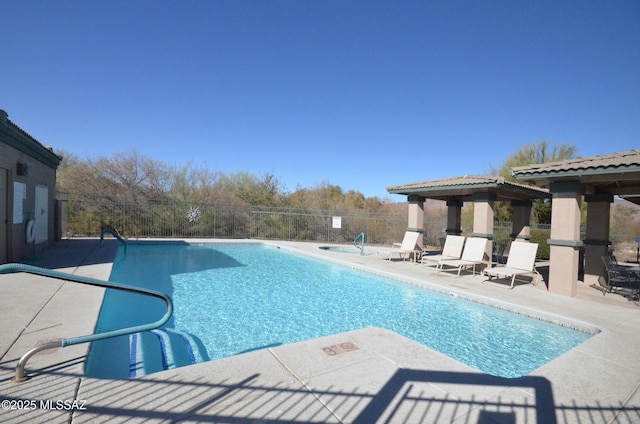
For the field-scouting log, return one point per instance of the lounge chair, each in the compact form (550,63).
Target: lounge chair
(521,261)
(451,250)
(473,254)
(408,246)
(619,277)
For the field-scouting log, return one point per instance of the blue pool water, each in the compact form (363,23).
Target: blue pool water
(233,298)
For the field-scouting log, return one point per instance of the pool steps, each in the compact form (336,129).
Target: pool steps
(163,349)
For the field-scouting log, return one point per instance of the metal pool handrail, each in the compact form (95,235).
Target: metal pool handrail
(11,268)
(113,233)
(355,241)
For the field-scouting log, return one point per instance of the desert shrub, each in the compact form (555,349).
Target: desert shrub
(541,237)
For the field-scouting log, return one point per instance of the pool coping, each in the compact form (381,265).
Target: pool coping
(387,378)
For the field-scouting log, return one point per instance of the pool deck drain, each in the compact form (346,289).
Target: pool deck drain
(387,378)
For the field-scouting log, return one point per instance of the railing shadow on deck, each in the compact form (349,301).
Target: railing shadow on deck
(408,396)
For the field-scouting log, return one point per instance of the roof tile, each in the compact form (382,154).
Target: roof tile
(613,160)
(465,181)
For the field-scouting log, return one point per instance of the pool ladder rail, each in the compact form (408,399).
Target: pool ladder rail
(362,237)
(15,267)
(115,234)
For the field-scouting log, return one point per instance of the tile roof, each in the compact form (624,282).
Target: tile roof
(615,173)
(614,162)
(25,142)
(465,186)
(466,180)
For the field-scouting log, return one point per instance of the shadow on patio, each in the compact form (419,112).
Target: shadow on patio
(410,395)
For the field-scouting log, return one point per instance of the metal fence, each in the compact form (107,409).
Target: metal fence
(88,217)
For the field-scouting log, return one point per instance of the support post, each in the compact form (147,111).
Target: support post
(416,217)
(565,243)
(454,217)
(521,230)
(596,242)
(483,219)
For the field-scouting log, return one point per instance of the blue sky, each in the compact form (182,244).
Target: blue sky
(360,94)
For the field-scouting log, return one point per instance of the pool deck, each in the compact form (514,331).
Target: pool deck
(364,376)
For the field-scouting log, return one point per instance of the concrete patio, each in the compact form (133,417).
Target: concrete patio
(368,375)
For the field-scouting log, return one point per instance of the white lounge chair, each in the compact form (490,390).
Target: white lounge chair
(408,246)
(521,261)
(452,249)
(473,254)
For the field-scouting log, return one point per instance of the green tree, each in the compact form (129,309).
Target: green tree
(266,191)
(534,153)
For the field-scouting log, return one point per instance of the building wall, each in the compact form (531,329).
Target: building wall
(18,193)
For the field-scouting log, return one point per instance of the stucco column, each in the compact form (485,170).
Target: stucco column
(521,230)
(483,219)
(596,242)
(565,241)
(416,217)
(454,217)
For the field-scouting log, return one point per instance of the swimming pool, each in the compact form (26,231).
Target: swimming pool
(234,298)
